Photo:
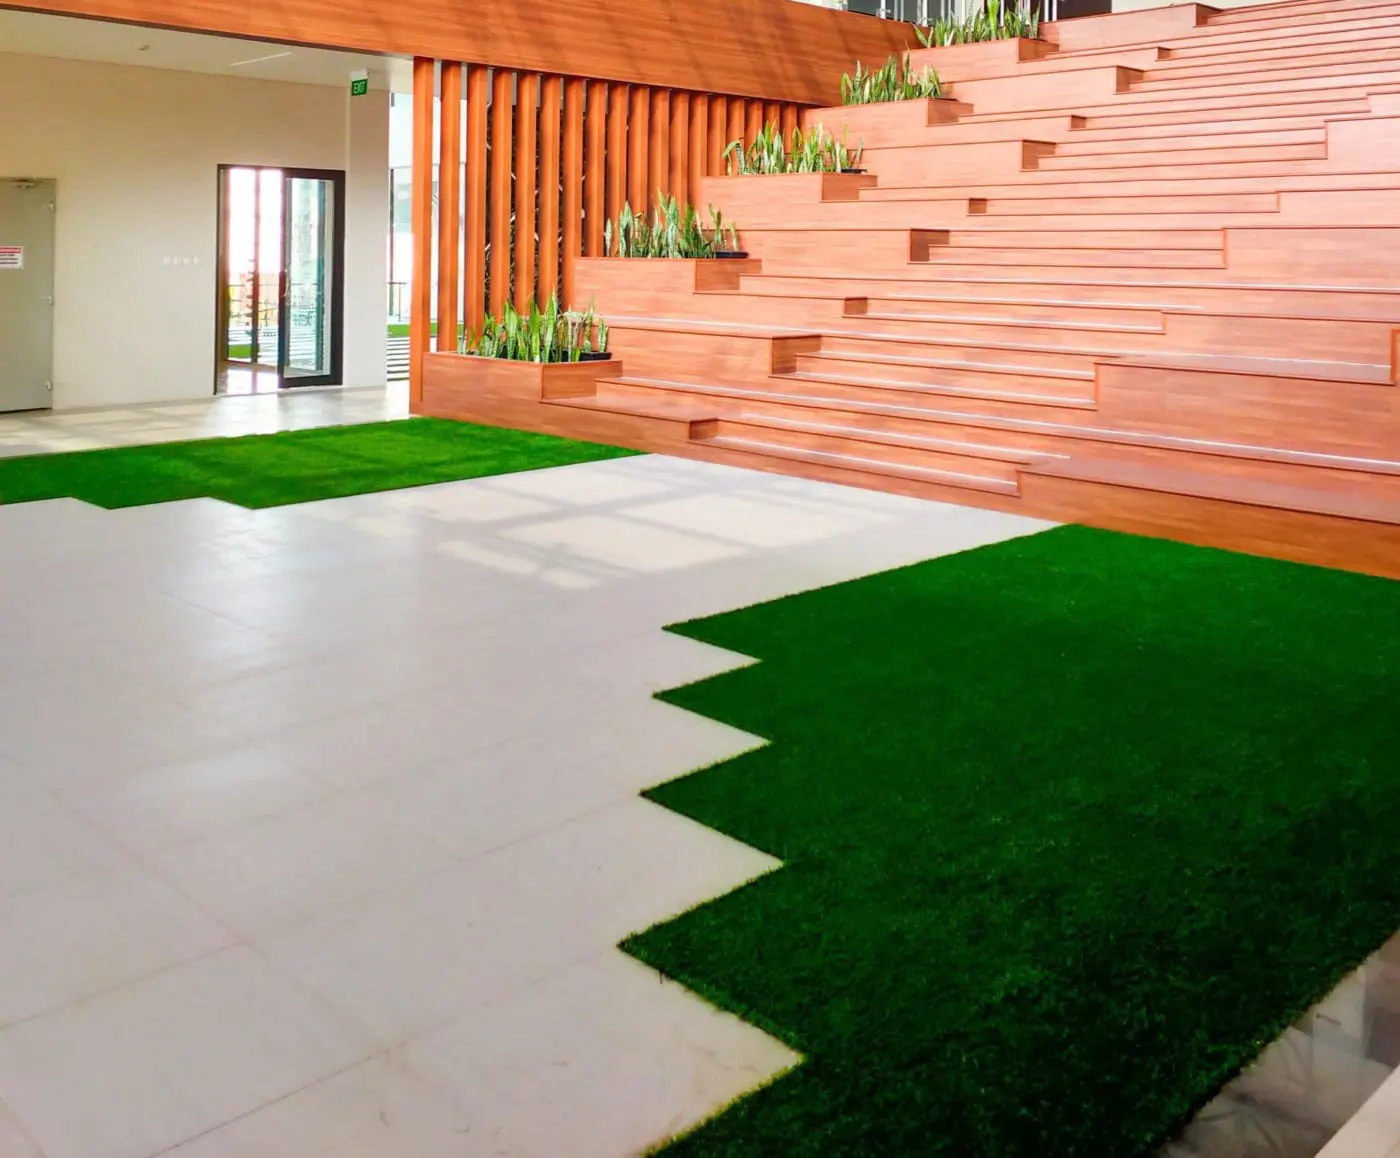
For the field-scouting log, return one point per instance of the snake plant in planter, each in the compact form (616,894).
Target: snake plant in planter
(545,334)
(992,20)
(892,81)
(806,151)
(672,230)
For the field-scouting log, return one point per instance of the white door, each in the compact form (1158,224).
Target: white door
(26,294)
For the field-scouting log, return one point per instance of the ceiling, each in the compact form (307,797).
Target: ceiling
(35,34)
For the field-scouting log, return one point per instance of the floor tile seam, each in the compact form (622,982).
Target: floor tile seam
(378,1054)
(7,1027)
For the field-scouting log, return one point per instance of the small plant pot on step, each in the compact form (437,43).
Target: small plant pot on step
(732,254)
(596,356)
(856,172)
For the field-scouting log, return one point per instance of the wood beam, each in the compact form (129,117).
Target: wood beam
(421,296)
(526,112)
(449,207)
(551,109)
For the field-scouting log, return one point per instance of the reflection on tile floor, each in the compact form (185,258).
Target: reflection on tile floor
(38,432)
(319,825)
(1314,1079)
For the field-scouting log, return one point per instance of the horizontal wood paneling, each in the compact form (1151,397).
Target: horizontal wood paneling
(774,49)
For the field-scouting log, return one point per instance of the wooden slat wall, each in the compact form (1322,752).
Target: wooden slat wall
(546,161)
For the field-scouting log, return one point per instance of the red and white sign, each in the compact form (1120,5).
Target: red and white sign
(11,257)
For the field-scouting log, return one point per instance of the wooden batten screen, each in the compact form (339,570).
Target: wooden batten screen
(535,165)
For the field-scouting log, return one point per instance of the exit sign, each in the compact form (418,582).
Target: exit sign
(359,83)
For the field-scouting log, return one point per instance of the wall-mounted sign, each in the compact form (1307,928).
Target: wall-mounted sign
(359,83)
(11,257)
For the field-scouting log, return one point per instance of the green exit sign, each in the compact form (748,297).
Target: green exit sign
(359,84)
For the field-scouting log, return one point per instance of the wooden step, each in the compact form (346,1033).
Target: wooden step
(1024,438)
(1217,144)
(1254,65)
(1193,154)
(962,463)
(954,255)
(983,353)
(1103,122)
(1230,131)
(856,464)
(1225,488)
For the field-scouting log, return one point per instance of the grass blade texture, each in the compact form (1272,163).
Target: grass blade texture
(1074,825)
(298,466)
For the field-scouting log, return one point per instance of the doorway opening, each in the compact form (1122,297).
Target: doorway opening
(281,279)
(27,208)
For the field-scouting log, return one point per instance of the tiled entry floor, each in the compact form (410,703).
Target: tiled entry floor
(318,825)
(45,431)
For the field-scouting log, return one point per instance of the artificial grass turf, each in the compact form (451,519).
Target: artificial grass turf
(298,466)
(1074,825)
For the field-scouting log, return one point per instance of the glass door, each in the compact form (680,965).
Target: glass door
(311,297)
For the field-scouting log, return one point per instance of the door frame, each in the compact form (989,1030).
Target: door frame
(335,178)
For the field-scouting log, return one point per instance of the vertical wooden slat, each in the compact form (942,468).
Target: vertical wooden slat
(719,134)
(699,139)
(680,147)
(573,174)
(474,267)
(617,160)
(753,124)
(501,79)
(737,122)
(527,89)
(772,114)
(659,149)
(789,121)
(637,138)
(595,166)
(421,299)
(551,103)
(449,206)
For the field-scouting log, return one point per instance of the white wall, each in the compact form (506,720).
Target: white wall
(135,152)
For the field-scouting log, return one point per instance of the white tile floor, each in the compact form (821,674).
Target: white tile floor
(318,826)
(37,432)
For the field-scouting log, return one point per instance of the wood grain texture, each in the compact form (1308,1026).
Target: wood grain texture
(573,191)
(699,139)
(597,173)
(449,201)
(638,130)
(616,162)
(771,49)
(551,115)
(526,172)
(474,263)
(718,135)
(681,158)
(753,123)
(421,297)
(659,147)
(738,122)
(502,124)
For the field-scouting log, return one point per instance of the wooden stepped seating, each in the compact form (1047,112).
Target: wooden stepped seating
(1138,274)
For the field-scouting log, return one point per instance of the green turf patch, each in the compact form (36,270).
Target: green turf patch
(1074,825)
(298,466)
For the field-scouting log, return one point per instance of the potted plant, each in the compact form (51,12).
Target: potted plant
(671,231)
(807,151)
(890,82)
(545,335)
(726,238)
(991,20)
